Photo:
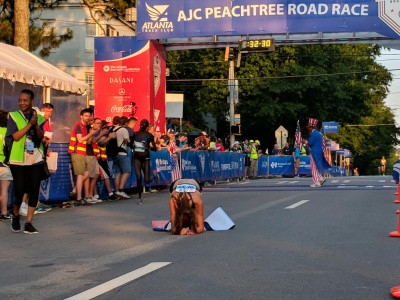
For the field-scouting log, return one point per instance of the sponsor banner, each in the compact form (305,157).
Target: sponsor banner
(158,19)
(262,169)
(128,80)
(305,167)
(283,165)
(330,127)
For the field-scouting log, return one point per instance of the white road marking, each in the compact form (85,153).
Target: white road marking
(114,283)
(297,204)
(245,182)
(382,180)
(334,181)
(346,180)
(282,182)
(293,182)
(369,186)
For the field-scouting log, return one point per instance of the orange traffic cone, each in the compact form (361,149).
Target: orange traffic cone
(397,193)
(396,233)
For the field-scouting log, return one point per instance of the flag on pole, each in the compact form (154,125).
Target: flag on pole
(298,133)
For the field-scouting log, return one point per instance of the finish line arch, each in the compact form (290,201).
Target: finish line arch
(130,71)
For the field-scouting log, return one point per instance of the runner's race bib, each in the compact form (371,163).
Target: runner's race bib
(139,147)
(188,188)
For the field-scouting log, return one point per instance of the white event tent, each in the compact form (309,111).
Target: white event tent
(17,64)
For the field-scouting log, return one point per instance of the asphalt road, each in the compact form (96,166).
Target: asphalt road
(290,242)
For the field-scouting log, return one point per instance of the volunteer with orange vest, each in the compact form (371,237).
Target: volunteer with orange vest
(99,143)
(80,137)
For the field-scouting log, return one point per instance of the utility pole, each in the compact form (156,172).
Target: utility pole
(231,91)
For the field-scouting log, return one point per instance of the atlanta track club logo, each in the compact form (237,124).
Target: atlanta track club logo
(389,13)
(158,15)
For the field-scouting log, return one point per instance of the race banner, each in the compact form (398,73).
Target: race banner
(129,80)
(281,165)
(159,19)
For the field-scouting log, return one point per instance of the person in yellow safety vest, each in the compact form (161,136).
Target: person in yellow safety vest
(303,151)
(253,159)
(5,172)
(24,140)
(80,137)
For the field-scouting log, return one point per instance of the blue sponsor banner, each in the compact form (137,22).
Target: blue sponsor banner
(189,165)
(281,165)
(330,127)
(262,166)
(158,19)
(305,167)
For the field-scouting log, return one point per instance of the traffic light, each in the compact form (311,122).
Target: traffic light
(235,129)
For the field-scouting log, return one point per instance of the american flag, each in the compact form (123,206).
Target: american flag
(298,133)
(175,172)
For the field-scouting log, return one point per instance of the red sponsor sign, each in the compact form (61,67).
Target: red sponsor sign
(133,85)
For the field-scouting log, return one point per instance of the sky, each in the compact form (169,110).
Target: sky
(390,58)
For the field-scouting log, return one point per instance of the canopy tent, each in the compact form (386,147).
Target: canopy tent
(17,64)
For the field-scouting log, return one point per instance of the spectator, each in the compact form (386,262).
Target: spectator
(173,149)
(200,141)
(247,150)
(5,172)
(211,145)
(121,161)
(219,146)
(102,139)
(286,150)
(236,147)
(130,126)
(80,138)
(162,142)
(181,142)
(306,146)
(24,140)
(296,157)
(276,151)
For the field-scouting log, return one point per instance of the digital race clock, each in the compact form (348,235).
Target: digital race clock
(260,45)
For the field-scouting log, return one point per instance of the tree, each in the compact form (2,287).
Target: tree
(100,9)
(342,83)
(18,27)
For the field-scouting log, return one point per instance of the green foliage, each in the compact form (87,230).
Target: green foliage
(39,36)
(342,83)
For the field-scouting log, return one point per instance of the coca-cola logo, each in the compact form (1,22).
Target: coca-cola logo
(119,109)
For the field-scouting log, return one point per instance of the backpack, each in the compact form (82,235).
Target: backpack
(112,148)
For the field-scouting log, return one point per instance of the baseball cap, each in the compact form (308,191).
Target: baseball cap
(171,130)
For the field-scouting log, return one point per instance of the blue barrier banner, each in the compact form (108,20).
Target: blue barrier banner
(262,166)
(160,160)
(189,165)
(305,167)
(159,19)
(215,166)
(237,164)
(281,165)
(225,165)
(202,166)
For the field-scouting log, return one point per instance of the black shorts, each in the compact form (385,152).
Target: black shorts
(247,161)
